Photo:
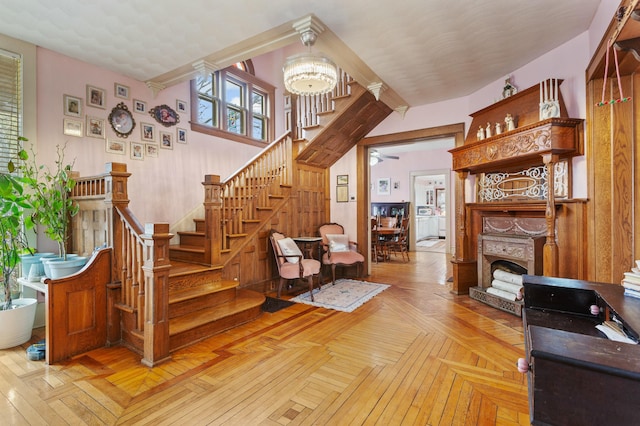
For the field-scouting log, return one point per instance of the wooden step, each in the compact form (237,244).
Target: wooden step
(185,253)
(191,238)
(187,300)
(200,226)
(206,322)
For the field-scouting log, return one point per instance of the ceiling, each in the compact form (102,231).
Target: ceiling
(422,51)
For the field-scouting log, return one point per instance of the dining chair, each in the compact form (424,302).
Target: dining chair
(291,262)
(338,249)
(400,243)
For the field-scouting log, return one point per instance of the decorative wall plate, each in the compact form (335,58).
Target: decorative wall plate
(121,120)
(165,115)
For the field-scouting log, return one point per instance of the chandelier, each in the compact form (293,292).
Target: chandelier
(308,73)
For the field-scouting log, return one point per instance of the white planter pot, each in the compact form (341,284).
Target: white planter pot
(59,268)
(17,323)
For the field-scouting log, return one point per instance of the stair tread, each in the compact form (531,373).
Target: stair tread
(245,300)
(196,233)
(201,290)
(179,268)
(182,247)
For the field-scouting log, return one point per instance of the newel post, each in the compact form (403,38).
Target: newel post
(212,218)
(156,268)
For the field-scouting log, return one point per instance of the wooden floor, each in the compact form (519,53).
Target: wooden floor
(414,355)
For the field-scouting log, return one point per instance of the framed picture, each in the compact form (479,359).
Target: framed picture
(151,150)
(342,193)
(139,106)
(72,127)
(95,127)
(115,146)
(72,106)
(181,106)
(148,132)
(137,151)
(182,136)
(166,140)
(165,115)
(121,120)
(96,97)
(342,180)
(121,91)
(384,186)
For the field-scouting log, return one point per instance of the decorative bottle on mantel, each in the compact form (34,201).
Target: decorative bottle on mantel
(487,131)
(480,133)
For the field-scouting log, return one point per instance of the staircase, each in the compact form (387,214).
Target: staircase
(164,297)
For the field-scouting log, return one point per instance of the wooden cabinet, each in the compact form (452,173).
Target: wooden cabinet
(576,375)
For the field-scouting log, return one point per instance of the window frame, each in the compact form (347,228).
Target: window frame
(251,84)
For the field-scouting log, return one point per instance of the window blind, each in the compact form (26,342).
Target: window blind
(10,106)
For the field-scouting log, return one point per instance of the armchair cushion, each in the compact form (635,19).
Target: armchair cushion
(338,242)
(291,249)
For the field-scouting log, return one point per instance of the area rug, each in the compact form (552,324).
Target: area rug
(346,295)
(271,304)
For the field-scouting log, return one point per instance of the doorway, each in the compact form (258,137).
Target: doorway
(430,220)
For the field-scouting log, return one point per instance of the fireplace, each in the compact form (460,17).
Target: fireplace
(514,254)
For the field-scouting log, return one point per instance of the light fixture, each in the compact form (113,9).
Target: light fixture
(308,73)
(373,160)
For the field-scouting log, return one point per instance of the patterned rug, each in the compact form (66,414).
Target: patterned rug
(346,295)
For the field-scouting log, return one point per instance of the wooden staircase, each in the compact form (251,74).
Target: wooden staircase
(164,297)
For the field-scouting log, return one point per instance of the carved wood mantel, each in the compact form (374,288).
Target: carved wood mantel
(533,143)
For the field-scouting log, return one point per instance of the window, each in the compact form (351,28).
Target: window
(233,104)
(10,106)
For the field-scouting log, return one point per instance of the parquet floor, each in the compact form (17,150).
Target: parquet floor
(414,355)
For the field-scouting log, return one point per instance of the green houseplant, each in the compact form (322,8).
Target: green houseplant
(49,191)
(16,323)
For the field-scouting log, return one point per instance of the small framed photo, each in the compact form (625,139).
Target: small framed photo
(72,106)
(342,194)
(139,106)
(95,127)
(166,140)
(182,136)
(72,127)
(181,106)
(96,97)
(121,91)
(342,180)
(151,150)
(137,151)
(148,132)
(115,146)
(384,186)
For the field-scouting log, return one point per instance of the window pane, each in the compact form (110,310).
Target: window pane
(257,101)
(258,128)
(233,93)
(234,121)
(204,85)
(206,113)
(10,107)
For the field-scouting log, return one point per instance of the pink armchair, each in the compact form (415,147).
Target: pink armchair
(291,263)
(338,250)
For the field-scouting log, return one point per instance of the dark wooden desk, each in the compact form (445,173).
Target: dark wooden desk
(576,375)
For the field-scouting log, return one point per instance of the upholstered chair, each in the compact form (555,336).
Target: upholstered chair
(338,249)
(291,263)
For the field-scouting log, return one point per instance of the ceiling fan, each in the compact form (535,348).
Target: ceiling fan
(375,157)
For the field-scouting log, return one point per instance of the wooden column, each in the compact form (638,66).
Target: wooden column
(463,265)
(156,269)
(550,251)
(212,218)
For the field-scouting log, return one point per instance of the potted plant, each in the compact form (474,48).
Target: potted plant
(16,316)
(49,195)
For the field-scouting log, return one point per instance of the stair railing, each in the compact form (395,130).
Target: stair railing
(309,108)
(239,198)
(140,261)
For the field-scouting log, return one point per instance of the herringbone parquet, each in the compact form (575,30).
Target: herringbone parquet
(414,355)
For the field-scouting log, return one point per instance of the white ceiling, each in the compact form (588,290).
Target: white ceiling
(423,50)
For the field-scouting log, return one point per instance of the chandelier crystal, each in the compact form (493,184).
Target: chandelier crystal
(308,73)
